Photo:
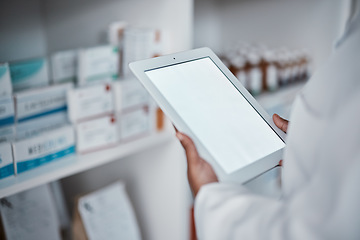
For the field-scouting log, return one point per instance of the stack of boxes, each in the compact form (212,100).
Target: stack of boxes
(7,120)
(47,118)
(91,111)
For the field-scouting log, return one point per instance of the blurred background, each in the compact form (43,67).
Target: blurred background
(80,46)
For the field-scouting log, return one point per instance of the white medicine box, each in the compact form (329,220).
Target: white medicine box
(29,74)
(43,149)
(90,102)
(130,94)
(6,161)
(97,134)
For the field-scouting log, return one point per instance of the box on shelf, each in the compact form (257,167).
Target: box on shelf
(116,32)
(37,151)
(7,133)
(98,64)
(7,111)
(39,125)
(129,94)
(90,102)
(135,123)
(6,161)
(5,80)
(138,44)
(36,103)
(110,210)
(30,215)
(97,134)
(7,119)
(29,74)
(64,66)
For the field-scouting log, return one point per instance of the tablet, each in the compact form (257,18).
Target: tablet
(205,100)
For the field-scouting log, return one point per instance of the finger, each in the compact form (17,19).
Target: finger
(280,163)
(189,146)
(176,130)
(280,122)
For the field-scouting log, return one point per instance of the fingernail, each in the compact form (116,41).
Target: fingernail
(179,136)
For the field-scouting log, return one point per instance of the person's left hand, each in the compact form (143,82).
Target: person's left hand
(200,172)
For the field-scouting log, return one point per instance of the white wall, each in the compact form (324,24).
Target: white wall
(39,27)
(22,33)
(313,24)
(83,23)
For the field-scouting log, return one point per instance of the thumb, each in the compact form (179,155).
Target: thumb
(280,122)
(189,146)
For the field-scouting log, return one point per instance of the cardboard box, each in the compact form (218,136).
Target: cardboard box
(64,66)
(7,111)
(30,215)
(90,102)
(39,125)
(6,161)
(7,134)
(98,64)
(97,134)
(5,80)
(37,151)
(36,103)
(29,74)
(110,210)
(129,94)
(135,123)
(138,44)
(116,32)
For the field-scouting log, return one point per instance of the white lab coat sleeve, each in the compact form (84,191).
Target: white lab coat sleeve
(227,211)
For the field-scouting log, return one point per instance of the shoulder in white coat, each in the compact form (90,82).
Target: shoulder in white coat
(321,166)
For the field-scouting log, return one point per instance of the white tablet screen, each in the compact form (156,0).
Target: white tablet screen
(216,113)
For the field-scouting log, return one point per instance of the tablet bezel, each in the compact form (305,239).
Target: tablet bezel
(241,175)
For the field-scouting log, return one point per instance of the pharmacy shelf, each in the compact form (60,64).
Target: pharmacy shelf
(280,101)
(80,163)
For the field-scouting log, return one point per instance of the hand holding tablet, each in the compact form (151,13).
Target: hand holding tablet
(206,101)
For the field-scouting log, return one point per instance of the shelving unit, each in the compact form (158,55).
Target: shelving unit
(280,101)
(155,176)
(80,163)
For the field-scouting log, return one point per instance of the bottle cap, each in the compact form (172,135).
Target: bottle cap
(238,62)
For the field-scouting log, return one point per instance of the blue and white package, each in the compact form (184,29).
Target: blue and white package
(7,113)
(7,119)
(64,66)
(5,80)
(37,103)
(6,161)
(7,133)
(29,74)
(37,151)
(39,125)
(98,64)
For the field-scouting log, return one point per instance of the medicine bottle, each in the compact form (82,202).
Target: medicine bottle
(295,66)
(284,72)
(254,74)
(270,78)
(156,44)
(307,65)
(238,69)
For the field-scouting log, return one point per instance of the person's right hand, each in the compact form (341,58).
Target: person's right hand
(281,123)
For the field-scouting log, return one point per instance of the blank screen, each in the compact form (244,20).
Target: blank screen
(216,113)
